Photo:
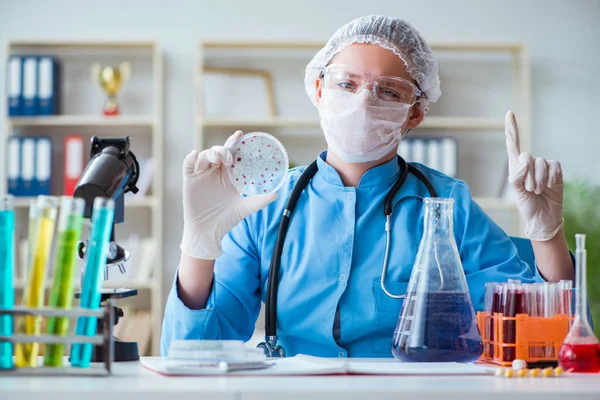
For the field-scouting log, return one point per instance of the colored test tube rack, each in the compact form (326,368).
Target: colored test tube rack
(105,339)
(536,339)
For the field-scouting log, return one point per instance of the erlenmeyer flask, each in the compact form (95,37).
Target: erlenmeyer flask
(437,322)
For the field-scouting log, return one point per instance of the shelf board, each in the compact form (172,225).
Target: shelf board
(130,285)
(316,45)
(148,201)
(464,123)
(84,44)
(275,122)
(494,203)
(84,120)
(19,285)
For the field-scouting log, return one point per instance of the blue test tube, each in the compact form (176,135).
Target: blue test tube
(95,255)
(7,294)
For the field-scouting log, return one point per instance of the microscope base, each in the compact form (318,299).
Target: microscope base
(124,351)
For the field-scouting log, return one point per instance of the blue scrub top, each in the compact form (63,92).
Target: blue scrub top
(332,257)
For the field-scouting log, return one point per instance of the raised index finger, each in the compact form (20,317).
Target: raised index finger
(512,138)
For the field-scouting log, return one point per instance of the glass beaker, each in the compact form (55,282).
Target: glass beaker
(437,322)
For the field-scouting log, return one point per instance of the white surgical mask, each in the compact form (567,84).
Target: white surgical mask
(359,127)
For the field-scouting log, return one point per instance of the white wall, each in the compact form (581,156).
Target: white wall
(562,37)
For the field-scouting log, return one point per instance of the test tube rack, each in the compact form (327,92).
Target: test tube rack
(105,339)
(535,339)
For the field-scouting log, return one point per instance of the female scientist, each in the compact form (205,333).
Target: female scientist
(371,84)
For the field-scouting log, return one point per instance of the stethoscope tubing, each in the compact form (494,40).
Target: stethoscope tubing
(301,184)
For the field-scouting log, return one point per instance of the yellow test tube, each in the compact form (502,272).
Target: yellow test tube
(40,243)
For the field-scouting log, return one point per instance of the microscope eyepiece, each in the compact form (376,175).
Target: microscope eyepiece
(112,171)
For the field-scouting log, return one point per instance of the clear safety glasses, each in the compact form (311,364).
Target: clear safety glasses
(386,88)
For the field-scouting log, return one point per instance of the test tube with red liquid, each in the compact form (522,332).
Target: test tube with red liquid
(492,305)
(514,303)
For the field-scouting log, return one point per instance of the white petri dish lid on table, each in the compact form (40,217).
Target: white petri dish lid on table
(260,164)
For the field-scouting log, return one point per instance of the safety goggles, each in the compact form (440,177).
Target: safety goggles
(386,88)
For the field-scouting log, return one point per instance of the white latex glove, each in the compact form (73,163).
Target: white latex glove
(538,186)
(211,204)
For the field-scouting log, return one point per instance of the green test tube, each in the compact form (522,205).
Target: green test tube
(7,293)
(70,222)
(40,243)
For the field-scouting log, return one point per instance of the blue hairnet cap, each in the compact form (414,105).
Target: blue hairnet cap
(391,33)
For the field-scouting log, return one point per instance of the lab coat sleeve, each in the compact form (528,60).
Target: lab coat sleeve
(233,304)
(487,252)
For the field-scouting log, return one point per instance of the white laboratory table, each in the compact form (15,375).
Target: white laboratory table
(131,381)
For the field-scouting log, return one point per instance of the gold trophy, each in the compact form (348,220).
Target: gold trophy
(111,79)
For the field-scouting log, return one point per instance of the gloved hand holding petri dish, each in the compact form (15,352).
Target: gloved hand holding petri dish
(260,164)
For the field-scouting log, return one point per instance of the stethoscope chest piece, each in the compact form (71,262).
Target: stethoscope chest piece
(271,348)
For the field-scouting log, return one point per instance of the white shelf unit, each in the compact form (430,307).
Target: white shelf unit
(292,126)
(145,128)
(85,121)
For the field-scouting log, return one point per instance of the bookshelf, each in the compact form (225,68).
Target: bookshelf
(141,118)
(301,130)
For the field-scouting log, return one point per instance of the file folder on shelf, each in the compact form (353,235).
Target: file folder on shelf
(30,84)
(48,86)
(449,153)
(440,154)
(14,86)
(43,167)
(13,171)
(433,155)
(27,166)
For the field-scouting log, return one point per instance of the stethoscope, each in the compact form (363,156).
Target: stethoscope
(270,346)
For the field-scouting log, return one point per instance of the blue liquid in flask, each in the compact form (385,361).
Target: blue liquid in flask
(441,327)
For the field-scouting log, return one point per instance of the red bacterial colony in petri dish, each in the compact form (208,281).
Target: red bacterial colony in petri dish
(253,159)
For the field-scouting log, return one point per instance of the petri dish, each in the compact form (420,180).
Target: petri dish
(260,164)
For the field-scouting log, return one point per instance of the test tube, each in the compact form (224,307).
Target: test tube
(7,294)
(34,216)
(33,295)
(530,300)
(488,306)
(530,309)
(565,290)
(551,303)
(497,298)
(539,298)
(70,222)
(513,305)
(549,297)
(96,252)
(488,297)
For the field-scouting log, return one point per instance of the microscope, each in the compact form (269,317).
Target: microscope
(112,171)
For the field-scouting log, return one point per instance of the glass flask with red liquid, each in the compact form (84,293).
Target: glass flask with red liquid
(580,352)
(437,322)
